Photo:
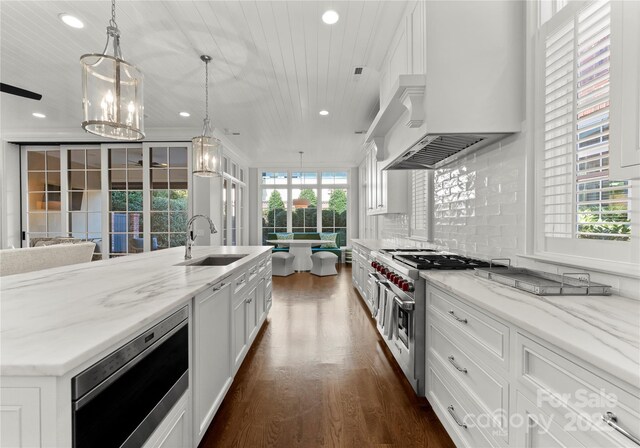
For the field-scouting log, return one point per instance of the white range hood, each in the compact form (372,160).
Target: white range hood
(471,95)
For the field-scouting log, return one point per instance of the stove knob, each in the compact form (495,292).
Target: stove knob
(389,274)
(379,268)
(401,283)
(373,264)
(405,286)
(393,277)
(397,280)
(409,287)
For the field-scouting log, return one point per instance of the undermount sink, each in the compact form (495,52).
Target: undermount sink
(214,260)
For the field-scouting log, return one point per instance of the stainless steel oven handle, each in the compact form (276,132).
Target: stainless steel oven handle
(459,319)
(611,419)
(404,304)
(452,360)
(78,404)
(452,411)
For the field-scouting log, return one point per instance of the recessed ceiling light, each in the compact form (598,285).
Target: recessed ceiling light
(324,112)
(330,17)
(185,114)
(70,20)
(39,115)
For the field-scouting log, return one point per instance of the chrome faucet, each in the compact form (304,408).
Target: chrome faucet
(191,238)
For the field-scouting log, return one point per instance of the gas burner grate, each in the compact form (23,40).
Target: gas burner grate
(441,261)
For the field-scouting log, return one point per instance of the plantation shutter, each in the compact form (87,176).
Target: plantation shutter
(419,203)
(579,198)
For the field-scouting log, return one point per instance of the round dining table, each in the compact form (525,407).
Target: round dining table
(301,249)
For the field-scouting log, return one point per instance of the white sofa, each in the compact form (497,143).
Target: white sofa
(28,259)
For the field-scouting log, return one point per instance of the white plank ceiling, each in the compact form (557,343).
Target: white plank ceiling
(275,66)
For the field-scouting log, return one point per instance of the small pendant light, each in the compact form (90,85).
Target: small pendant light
(207,150)
(112,91)
(301,202)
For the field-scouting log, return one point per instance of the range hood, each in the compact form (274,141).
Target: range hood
(464,96)
(435,151)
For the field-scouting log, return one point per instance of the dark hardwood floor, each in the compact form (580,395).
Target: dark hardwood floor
(318,376)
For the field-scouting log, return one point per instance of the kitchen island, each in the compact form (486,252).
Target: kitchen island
(57,322)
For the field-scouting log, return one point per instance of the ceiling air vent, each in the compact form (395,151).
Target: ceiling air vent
(358,71)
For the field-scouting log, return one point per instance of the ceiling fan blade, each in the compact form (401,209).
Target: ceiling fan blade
(13,90)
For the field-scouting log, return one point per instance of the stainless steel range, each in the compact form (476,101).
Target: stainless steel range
(398,303)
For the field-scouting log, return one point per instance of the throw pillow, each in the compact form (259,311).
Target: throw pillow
(330,239)
(284,236)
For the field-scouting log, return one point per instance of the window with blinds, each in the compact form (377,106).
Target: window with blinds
(580,201)
(420,192)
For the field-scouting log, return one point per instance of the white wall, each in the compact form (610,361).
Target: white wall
(10,231)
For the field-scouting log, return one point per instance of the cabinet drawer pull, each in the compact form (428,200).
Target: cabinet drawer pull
(241,281)
(218,288)
(453,314)
(248,301)
(452,360)
(252,272)
(455,417)
(611,419)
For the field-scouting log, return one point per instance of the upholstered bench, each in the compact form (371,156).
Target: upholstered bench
(324,263)
(28,259)
(282,264)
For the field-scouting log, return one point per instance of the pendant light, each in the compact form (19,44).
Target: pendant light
(301,202)
(112,91)
(207,150)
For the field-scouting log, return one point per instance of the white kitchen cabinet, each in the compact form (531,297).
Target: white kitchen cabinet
(20,417)
(240,331)
(387,191)
(494,368)
(251,303)
(260,299)
(538,430)
(624,152)
(174,431)
(212,353)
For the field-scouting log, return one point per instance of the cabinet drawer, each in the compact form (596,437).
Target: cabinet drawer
(489,390)
(572,394)
(455,412)
(486,334)
(240,282)
(252,273)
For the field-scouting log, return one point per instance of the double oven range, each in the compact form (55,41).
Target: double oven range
(398,303)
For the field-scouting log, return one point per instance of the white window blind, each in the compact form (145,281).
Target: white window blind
(420,191)
(580,201)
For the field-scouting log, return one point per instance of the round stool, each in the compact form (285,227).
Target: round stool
(324,263)
(282,264)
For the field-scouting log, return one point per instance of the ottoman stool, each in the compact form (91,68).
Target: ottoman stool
(282,264)
(324,263)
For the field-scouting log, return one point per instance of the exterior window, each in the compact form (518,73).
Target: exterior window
(274,211)
(84,186)
(126,224)
(583,212)
(334,213)
(169,196)
(44,217)
(327,195)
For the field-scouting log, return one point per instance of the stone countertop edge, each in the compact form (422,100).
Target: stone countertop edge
(602,330)
(55,320)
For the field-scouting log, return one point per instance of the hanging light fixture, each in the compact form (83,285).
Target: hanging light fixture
(301,202)
(207,150)
(112,91)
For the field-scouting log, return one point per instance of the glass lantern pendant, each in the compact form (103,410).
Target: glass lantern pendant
(112,91)
(207,150)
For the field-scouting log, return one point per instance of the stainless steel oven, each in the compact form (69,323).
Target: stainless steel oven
(120,400)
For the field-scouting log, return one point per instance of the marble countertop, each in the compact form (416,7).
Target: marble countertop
(54,320)
(602,330)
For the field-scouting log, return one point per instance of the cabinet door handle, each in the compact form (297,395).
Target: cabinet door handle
(248,301)
(611,419)
(218,288)
(452,360)
(453,314)
(455,417)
